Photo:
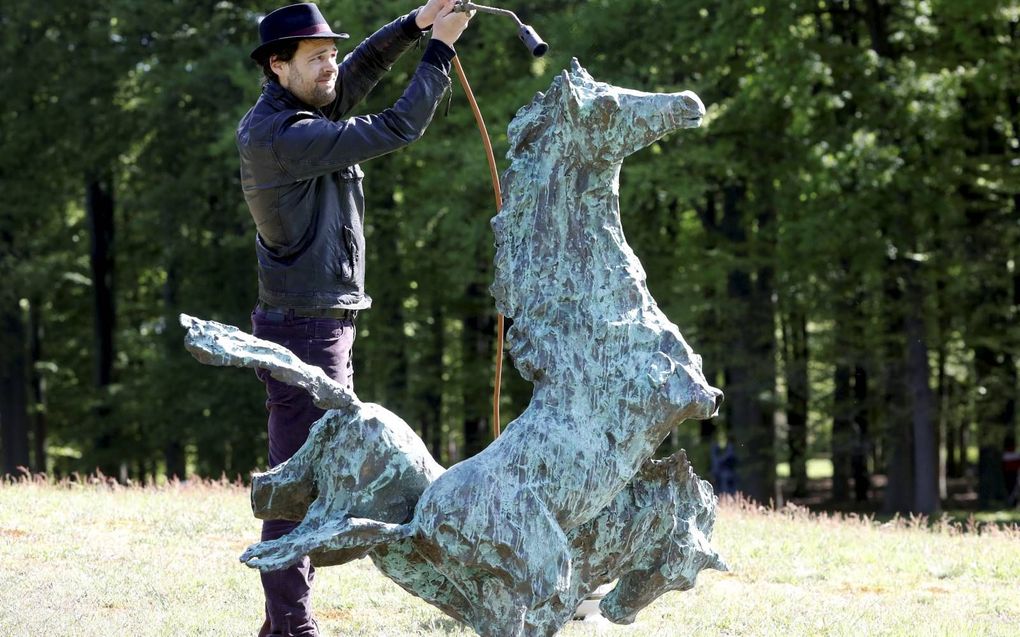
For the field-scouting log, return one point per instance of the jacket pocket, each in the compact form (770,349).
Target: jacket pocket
(349,258)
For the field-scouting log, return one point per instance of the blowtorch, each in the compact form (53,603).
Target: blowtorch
(527,34)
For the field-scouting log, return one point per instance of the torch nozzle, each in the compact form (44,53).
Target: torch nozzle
(526,33)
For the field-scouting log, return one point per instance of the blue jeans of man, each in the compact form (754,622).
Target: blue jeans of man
(326,343)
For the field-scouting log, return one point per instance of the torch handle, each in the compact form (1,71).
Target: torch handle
(464,7)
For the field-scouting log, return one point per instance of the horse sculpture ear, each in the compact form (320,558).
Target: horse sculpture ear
(580,73)
(569,98)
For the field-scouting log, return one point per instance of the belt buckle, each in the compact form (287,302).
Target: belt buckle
(275,316)
(272,314)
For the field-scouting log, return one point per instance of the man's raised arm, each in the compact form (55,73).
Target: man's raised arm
(363,67)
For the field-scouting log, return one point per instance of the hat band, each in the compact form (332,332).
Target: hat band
(318,28)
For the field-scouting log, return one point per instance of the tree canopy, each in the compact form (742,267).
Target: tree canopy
(839,240)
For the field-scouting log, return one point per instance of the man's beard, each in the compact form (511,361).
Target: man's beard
(311,92)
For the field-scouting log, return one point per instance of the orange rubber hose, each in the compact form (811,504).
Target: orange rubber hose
(462,76)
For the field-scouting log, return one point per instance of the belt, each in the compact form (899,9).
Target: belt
(274,313)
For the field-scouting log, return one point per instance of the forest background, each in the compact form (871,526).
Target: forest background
(839,240)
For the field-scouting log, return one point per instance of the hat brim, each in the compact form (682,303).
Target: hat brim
(318,36)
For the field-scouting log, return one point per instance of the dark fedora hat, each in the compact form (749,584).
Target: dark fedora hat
(293,22)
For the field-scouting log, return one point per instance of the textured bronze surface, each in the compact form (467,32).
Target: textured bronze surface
(512,539)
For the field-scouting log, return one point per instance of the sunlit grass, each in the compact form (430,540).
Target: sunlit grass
(95,560)
(1006,516)
(817,469)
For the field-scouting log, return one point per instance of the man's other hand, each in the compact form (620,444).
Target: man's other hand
(449,26)
(427,14)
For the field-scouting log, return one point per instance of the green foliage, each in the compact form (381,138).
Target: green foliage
(844,139)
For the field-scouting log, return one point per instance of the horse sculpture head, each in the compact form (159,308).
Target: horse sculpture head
(564,271)
(607,122)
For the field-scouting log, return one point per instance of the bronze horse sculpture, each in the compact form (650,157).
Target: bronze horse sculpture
(567,499)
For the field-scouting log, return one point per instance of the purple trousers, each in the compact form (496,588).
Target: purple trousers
(326,343)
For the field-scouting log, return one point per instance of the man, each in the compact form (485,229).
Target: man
(299,171)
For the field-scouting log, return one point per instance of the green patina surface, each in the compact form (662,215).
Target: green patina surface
(567,499)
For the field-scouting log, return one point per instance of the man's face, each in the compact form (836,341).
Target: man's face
(311,73)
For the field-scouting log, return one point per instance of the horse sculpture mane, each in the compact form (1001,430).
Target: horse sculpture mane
(567,499)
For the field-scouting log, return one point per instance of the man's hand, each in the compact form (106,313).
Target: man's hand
(427,14)
(449,25)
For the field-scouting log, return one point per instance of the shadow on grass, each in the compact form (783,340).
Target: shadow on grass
(445,624)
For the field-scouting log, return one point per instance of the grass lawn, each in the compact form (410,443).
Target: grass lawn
(93,560)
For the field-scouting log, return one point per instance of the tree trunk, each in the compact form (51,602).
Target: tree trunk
(173,456)
(38,387)
(925,434)
(797,388)
(842,428)
(996,407)
(99,205)
(899,491)
(899,433)
(14,421)
(859,458)
(750,368)
(752,433)
(913,463)
(173,437)
(99,208)
(876,18)
(847,343)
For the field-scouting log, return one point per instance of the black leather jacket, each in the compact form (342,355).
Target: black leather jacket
(302,182)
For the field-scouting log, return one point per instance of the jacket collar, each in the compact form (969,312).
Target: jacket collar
(283,98)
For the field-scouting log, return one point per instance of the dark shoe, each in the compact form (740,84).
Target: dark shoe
(266,626)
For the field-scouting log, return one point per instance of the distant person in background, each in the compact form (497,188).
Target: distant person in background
(859,469)
(724,468)
(300,150)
